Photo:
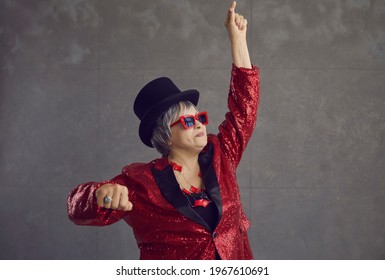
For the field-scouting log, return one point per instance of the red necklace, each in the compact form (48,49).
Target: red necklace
(195,197)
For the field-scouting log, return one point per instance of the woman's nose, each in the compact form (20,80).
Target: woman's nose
(197,124)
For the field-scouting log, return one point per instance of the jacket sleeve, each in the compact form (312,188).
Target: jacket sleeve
(238,126)
(83,209)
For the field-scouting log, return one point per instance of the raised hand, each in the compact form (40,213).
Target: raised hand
(236,24)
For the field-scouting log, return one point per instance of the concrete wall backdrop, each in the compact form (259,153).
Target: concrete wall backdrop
(313,177)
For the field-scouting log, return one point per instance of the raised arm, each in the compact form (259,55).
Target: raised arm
(236,131)
(236,26)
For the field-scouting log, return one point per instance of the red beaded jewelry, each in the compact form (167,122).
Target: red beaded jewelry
(195,197)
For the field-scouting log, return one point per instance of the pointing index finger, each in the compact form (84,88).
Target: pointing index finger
(232,7)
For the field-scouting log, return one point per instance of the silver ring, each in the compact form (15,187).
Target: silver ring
(107,199)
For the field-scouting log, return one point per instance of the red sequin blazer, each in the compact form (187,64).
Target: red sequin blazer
(163,226)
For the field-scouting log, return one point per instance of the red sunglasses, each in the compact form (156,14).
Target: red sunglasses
(188,121)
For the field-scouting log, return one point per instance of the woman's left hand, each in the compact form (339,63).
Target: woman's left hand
(236,24)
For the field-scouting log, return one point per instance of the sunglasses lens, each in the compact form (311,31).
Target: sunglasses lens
(189,121)
(202,118)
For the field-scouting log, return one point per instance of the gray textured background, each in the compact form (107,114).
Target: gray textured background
(313,177)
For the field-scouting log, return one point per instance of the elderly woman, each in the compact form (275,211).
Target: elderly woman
(186,204)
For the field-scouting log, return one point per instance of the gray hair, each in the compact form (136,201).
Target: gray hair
(162,131)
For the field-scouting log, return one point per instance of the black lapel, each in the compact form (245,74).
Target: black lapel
(170,190)
(210,178)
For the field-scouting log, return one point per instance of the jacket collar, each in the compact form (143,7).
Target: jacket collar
(170,190)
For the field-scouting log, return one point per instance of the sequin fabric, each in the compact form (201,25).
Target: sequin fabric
(160,228)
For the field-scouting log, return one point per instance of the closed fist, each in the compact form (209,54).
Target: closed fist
(113,196)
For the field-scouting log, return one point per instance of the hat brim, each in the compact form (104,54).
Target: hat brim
(148,122)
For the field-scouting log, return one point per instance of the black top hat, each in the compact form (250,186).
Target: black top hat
(155,98)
